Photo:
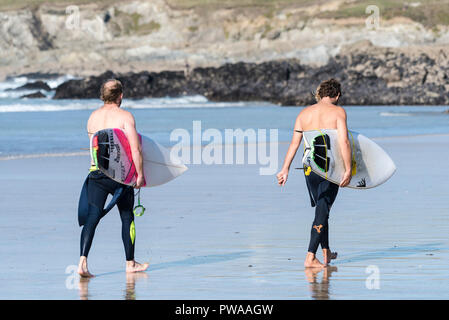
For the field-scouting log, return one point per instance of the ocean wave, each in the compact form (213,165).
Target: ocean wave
(16,82)
(43,155)
(48,105)
(396,114)
(413,113)
(196,101)
(44,107)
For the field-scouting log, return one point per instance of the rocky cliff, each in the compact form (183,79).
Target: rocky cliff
(132,36)
(370,76)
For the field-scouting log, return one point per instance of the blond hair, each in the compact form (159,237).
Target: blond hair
(111,90)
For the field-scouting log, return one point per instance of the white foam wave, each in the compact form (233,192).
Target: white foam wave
(44,107)
(47,105)
(13,83)
(44,155)
(396,114)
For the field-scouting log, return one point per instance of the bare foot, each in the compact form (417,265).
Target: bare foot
(328,256)
(134,266)
(312,261)
(82,268)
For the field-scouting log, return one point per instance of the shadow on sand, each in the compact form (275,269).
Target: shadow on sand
(131,278)
(192,261)
(393,252)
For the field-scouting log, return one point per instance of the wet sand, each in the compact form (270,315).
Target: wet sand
(225,232)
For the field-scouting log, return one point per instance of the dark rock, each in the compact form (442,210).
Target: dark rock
(36,75)
(384,79)
(34,95)
(38,85)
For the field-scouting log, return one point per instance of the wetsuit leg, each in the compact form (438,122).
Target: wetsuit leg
(98,189)
(96,197)
(125,207)
(323,193)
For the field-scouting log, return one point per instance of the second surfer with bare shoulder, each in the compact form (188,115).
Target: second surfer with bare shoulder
(325,114)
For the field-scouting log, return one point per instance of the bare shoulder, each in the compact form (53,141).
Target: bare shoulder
(93,113)
(125,115)
(341,112)
(126,118)
(306,110)
(92,117)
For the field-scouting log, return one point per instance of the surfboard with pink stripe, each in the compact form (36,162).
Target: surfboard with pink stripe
(112,154)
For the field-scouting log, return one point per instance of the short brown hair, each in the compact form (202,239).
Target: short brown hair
(111,90)
(329,88)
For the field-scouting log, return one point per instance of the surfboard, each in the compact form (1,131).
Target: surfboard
(371,165)
(111,153)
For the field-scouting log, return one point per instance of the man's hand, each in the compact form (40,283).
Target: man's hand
(346,179)
(282,177)
(139,182)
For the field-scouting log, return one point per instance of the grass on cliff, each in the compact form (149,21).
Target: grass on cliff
(237,3)
(19,4)
(428,12)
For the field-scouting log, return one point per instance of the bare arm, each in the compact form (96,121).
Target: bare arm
(292,149)
(345,146)
(136,149)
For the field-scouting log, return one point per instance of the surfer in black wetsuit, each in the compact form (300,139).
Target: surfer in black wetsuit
(325,114)
(97,186)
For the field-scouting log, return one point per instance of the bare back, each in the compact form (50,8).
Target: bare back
(111,116)
(325,115)
(321,116)
(104,118)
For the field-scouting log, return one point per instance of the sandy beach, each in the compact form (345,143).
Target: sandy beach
(225,232)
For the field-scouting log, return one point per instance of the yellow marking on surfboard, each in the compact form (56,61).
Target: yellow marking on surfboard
(353,162)
(307,171)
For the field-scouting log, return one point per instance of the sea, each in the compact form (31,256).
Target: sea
(46,127)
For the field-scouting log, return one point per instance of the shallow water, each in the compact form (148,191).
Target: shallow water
(38,132)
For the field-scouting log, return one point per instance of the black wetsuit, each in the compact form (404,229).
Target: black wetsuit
(91,210)
(322,195)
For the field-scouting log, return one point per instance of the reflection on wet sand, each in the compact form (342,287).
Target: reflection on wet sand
(130,292)
(84,288)
(320,290)
(130,286)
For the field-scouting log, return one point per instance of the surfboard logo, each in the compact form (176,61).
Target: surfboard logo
(361,183)
(122,172)
(117,157)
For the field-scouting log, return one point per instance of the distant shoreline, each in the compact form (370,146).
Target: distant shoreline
(383,78)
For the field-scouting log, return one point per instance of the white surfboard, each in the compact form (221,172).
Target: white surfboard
(371,165)
(111,153)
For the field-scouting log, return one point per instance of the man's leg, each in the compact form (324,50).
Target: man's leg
(87,235)
(329,193)
(125,206)
(317,233)
(97,198)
